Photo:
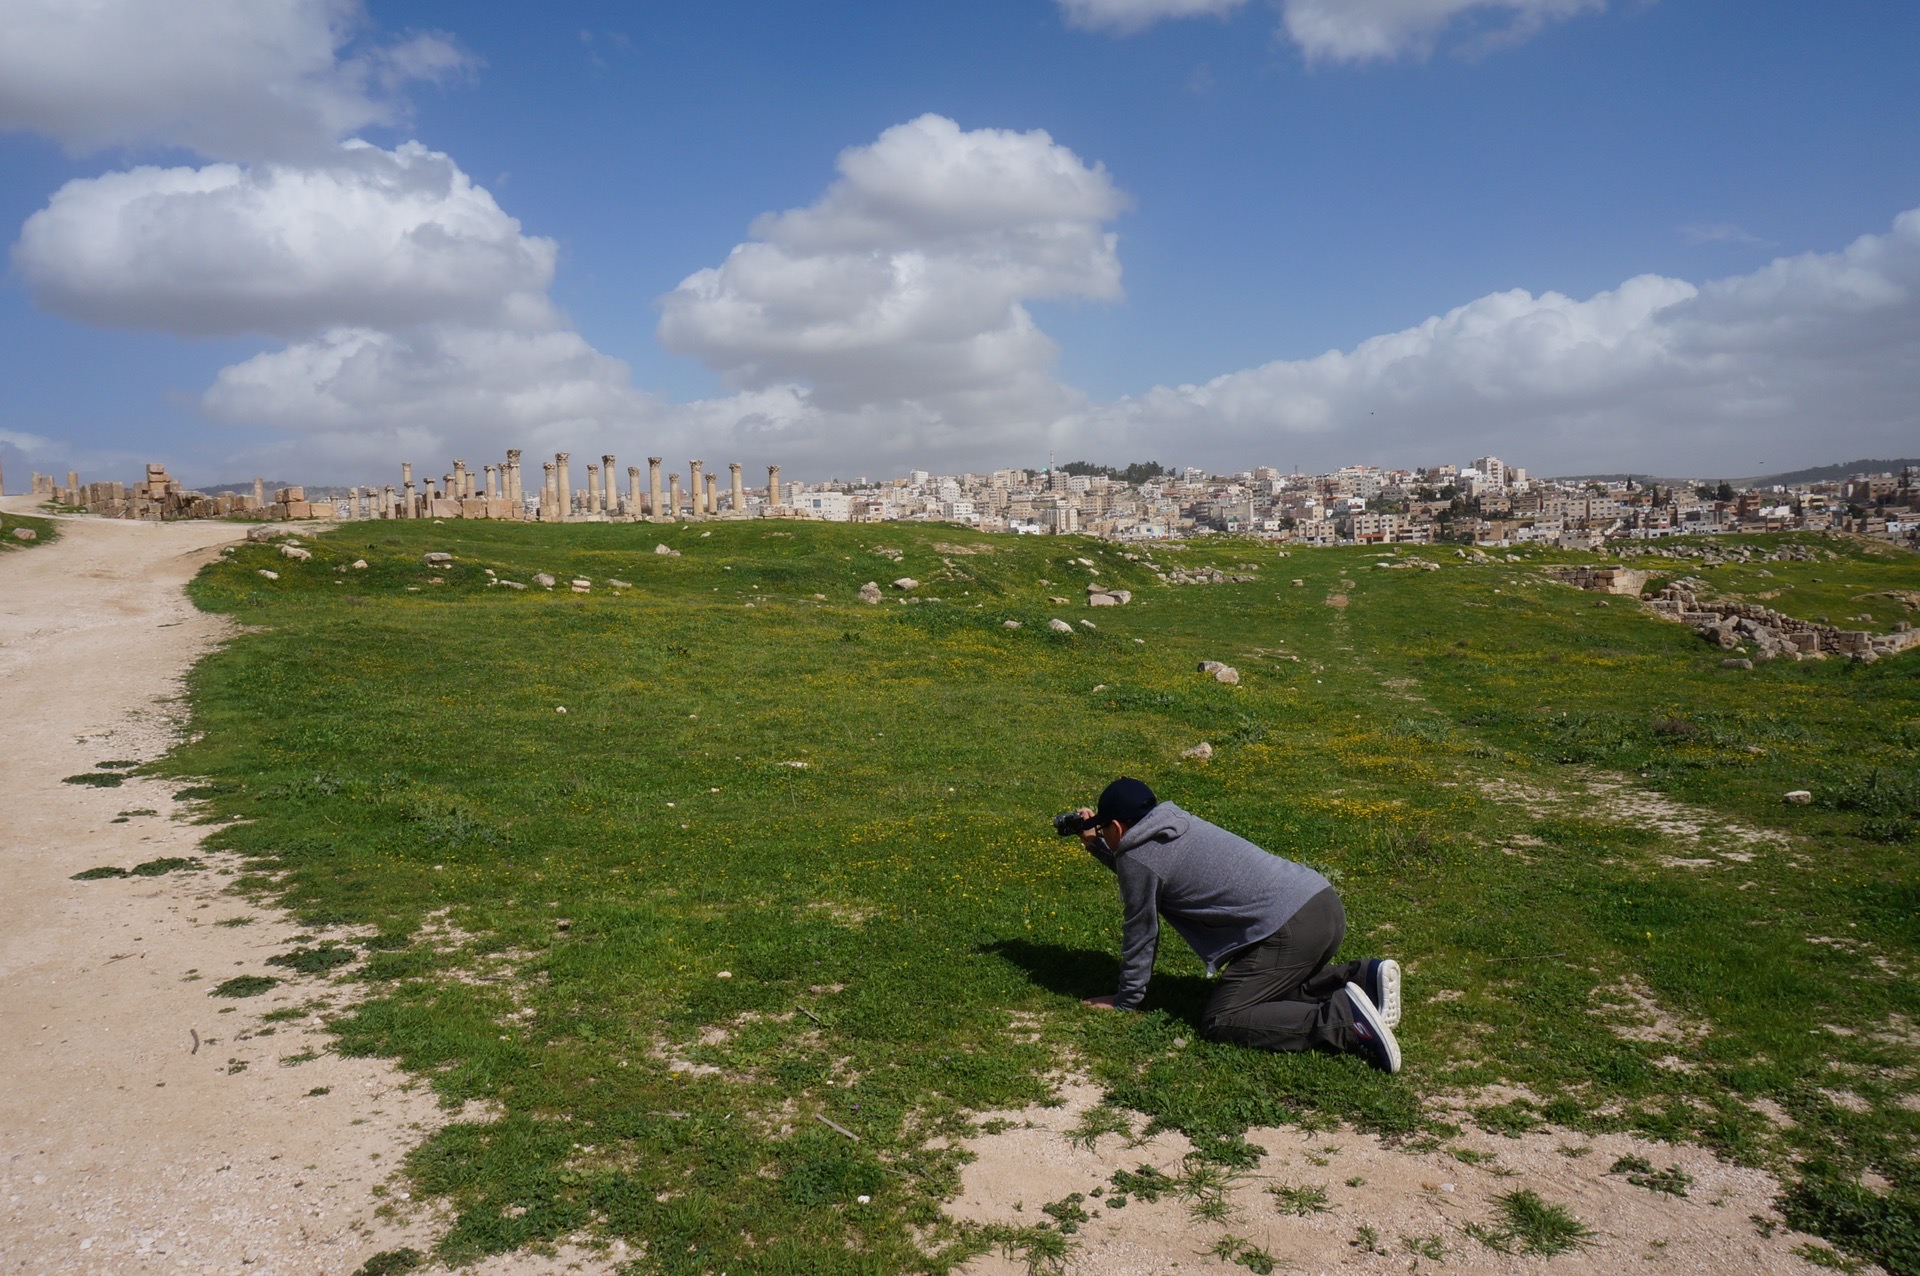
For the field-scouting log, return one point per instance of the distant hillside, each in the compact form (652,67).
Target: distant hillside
(1827,473)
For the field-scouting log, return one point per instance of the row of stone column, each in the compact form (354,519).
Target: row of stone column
(558,500)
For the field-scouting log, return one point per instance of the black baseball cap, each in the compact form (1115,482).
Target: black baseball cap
(1126,800)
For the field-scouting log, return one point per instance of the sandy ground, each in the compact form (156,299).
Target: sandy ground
(125,1147)
(1411,1200)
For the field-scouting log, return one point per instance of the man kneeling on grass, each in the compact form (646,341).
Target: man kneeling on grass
(1267,926)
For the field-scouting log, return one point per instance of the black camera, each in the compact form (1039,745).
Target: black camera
(1071,823)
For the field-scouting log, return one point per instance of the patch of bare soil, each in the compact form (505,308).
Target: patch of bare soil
(1618,800)
(146,1126)
(1306,1204)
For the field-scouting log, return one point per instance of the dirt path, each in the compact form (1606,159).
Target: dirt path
(124,1148)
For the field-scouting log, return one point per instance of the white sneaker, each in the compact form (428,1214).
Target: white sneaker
(1376,1039)
(1383,988)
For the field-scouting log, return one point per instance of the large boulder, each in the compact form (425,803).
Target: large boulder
(436,559)
(870,592)
(906,582)
(296,553)
(1060,626)
(1102,600)
(545,580)
(1221,673)
(25,534)
(667,550)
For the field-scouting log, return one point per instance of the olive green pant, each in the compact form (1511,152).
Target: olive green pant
(1282,994)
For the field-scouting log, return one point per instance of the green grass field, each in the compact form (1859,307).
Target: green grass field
(670,872)
(45,529)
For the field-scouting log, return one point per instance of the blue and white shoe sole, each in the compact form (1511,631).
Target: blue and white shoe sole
(1369,1014)
(1386,976)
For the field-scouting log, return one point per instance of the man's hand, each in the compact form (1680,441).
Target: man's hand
(1089,838)
(1101,1003)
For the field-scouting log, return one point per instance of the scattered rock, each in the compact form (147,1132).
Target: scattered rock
(1199,752)
(296,553)
(668,551)
(1059,602)
(544,580)
(1299,584)
(580,586)
(1736,662)
(25,534)
(1060,626)
(1102,600)
(269,575)
(1088,624)
(1221,673)
(1010,624)
(870,592)
(359,564)
(510,584)
(619,584)
(906,582)
(436,559)
(1799,797)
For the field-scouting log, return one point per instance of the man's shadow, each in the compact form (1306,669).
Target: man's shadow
(1085,972)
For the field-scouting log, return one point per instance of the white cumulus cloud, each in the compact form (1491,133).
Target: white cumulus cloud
(371,237)
(1127,16)
(1656,373)
(906,279)
(1351,30)
(231,79)
(1379,30)
(372,396)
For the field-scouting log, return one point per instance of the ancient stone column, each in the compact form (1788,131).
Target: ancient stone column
(673,496)
(713,493)
(593,488)
(653,486)
(73,486)
(549,494)
(387,510)
(564,481)
(406,485)
(773,487)
(492,473)
(694,489)
(515,492)
(259,492)
(633,491)
(457,484)
(607,485)
(739,492)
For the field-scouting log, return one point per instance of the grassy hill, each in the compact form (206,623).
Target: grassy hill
(671,872)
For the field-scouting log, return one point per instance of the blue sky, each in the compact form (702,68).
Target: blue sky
(1271,196)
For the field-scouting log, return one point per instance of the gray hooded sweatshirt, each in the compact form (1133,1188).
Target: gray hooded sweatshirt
(1220,891)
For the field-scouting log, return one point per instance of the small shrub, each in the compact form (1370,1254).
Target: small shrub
(1302,1201)
(1096,1121)
(1244,1253)
(1146,1183)
(1068,1212)
(392,1262)
(97,874)
(97,779)
(314,961)
(1640,1172)
(244,986)
(1529,1225)
(166,864)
